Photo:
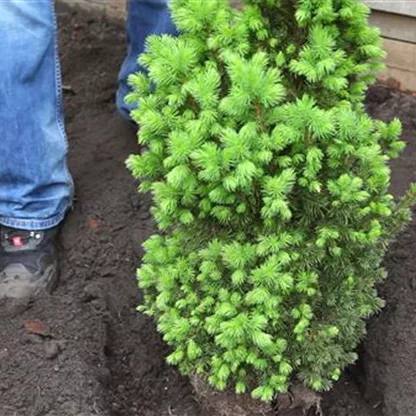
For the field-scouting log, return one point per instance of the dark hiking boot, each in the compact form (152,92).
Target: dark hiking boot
(28,262)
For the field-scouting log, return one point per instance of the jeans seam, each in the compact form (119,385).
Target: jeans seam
(32,224)
(59,107)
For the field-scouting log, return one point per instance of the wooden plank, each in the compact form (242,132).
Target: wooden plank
(394,26)
(406,81)
(400,55)
(401,63)
(404,7)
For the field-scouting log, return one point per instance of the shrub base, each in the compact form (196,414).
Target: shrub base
(299,402)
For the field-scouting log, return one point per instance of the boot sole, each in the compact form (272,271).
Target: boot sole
(17,289)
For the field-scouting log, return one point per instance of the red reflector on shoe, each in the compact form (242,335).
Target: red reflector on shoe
(17,241)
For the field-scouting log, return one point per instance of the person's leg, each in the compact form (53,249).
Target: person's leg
(35,185)
(144,18)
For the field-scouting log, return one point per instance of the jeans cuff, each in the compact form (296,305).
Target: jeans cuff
(33,224)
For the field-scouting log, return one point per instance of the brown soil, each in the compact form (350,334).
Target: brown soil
(96,355)
(390,349)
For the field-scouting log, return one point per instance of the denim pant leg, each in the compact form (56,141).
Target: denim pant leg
(144,18)
(35,185)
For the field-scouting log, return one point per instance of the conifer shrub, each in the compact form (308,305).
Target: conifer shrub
(270,187)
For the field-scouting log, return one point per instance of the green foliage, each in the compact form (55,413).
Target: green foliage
(270,185)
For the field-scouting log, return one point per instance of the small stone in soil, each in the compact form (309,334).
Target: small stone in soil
(104,376)
(52,349)
(92,291)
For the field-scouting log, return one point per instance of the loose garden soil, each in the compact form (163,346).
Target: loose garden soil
(84,350)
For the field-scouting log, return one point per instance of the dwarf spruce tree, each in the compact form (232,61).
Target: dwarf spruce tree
(270,188)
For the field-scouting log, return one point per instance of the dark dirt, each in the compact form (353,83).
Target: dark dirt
(96,356)
(386,373)
(390,350)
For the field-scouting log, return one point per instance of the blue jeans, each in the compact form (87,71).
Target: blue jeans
(35,185)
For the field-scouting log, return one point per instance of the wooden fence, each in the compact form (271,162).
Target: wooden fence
(397,20)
